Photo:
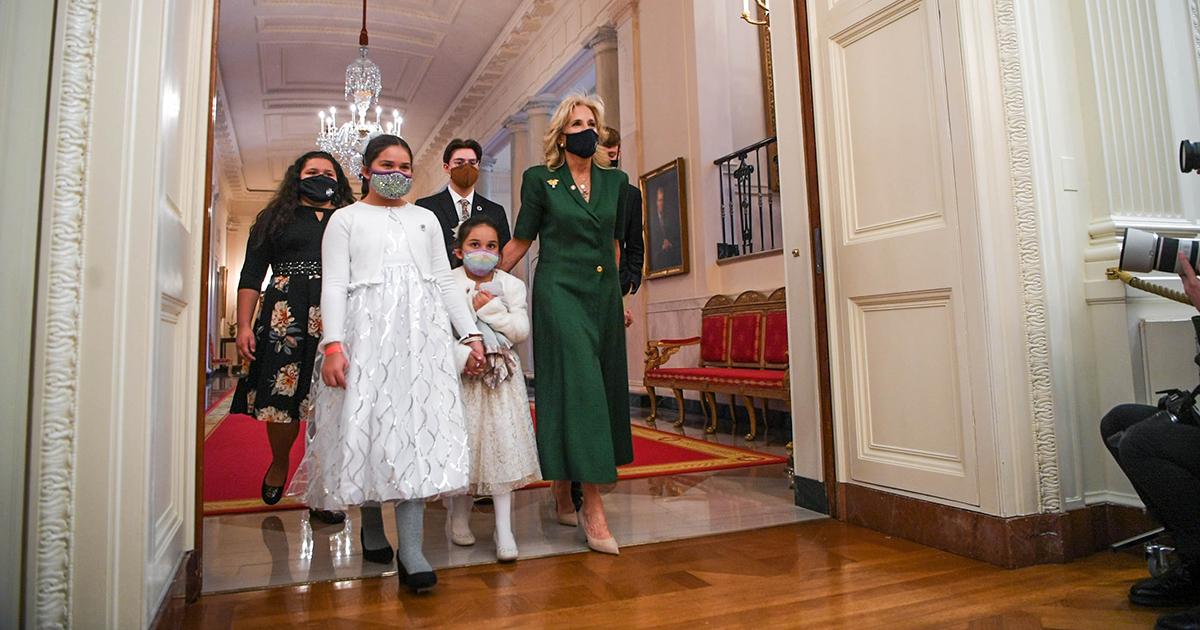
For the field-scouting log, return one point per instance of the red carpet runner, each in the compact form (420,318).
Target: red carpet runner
(236,456)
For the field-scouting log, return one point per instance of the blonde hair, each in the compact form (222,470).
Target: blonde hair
(556,155)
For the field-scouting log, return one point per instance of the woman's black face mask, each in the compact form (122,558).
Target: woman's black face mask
(583,143)
(318,188)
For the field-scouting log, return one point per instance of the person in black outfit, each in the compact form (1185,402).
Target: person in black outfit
(459,201)
(633,245)
(1161,457)
(282,345)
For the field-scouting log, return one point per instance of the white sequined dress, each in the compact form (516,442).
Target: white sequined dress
(396,431)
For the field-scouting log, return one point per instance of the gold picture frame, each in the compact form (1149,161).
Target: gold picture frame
(665,220)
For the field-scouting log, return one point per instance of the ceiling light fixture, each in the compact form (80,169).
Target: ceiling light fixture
(766,13)
(363,83)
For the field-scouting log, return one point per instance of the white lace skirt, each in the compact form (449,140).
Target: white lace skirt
(500,429)
(396,431)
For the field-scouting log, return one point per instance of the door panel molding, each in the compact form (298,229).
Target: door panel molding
(904,280)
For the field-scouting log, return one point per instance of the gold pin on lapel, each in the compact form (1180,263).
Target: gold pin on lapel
(553,183)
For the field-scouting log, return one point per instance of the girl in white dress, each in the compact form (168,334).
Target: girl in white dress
(387,412)
(495,403)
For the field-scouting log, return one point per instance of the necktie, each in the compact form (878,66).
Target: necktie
(466,209)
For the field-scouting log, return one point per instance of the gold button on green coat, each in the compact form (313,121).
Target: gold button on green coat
(581,386)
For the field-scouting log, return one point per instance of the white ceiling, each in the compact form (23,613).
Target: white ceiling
(280,61)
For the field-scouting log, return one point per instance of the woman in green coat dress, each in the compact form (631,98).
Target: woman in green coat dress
(575,204)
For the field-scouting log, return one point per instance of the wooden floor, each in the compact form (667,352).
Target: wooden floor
(822,574)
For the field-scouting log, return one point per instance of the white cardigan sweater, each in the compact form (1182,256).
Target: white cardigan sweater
(352,256)
(507,314)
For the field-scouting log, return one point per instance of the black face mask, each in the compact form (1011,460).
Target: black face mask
(318,188)
(583,143)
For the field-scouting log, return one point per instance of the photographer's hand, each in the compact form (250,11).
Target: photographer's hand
(1191,284)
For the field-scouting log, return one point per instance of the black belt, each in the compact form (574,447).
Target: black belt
(301,268)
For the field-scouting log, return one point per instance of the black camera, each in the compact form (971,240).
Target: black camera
(1180,405)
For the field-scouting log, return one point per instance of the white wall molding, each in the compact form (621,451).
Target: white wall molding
(1041,390)
(1115,498)
(520,33)
(670,306)
(60,385)
(227,155)
(1132,103)
(1194,13)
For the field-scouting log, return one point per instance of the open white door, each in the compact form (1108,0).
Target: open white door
(178,188)
(904,294)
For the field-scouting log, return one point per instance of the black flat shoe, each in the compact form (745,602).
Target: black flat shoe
(1178,586)
(1187,620)
(329,517)
(378,556)
(271,494)
(419,583)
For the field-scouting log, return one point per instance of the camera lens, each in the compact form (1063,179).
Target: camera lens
(1189,156)
(1144,252)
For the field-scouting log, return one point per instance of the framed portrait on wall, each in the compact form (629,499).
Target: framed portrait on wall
(665,219)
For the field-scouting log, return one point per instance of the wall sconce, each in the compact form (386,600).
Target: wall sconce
(766,10)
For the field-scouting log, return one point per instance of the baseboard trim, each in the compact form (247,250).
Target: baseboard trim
(1012,542)
(171,611)
(810,495)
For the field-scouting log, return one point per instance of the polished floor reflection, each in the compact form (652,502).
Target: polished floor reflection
(245,551)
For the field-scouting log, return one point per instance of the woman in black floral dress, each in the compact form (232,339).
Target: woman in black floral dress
(286,236)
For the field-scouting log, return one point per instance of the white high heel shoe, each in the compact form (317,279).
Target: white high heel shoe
(603,545)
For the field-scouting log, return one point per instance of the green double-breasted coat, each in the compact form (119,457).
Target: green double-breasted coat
(582,383)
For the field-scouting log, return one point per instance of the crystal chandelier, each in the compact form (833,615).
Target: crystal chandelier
(363,83)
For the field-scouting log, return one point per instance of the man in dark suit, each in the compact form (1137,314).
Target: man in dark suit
(633,248)
(459,201)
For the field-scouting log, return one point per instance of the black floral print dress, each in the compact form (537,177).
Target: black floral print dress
(288,328)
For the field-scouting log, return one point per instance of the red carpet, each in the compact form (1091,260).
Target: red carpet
(236,456)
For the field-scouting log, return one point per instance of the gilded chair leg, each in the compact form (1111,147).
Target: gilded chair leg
(679,397)
(710,421)
(653,406)
(753,419)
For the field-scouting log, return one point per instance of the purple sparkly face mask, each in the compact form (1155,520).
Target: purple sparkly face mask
(390,184)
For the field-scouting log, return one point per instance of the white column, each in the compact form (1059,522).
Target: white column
(1135,145)
(604,47)
(518,148)
(538,111)
(484,185)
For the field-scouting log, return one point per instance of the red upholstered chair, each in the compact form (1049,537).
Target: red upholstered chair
(743,352)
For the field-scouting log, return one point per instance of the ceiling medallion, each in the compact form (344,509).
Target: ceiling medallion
(363,84)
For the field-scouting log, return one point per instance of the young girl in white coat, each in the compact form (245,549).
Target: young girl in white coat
(388,412)
(496,402)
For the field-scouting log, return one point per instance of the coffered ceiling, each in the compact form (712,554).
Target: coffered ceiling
(281,61)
